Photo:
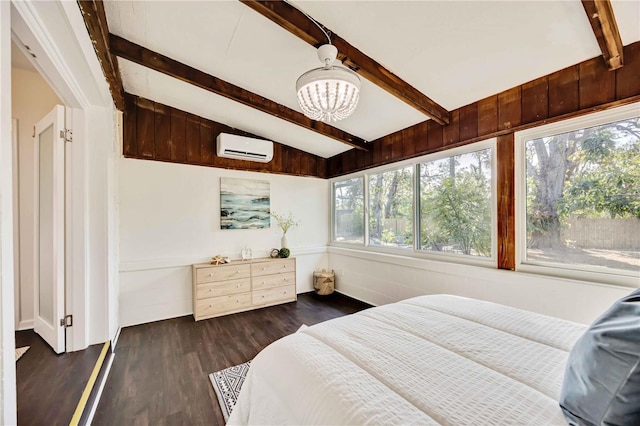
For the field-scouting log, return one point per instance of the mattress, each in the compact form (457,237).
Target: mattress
(436,359)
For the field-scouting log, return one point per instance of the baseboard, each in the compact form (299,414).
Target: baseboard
(25,325)
(354,298)
(340,294)
(114,342)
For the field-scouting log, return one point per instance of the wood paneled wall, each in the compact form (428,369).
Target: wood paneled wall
(576,90)
(153,131)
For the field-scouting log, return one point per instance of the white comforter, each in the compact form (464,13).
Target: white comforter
(428,360)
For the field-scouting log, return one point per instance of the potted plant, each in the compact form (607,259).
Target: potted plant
(285,223)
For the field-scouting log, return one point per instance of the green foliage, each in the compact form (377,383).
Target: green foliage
(285,222)
(457,212)
(607,183)
(391,208)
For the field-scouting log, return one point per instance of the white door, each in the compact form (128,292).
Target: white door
(49,291)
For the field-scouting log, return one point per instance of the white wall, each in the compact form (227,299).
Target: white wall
(170,218)
(31,99)
(382,278)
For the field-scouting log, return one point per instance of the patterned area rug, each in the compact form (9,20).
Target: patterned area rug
(21,351)
(227,383)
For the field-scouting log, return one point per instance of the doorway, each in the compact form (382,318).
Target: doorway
(55,36)
(38,203)
(51,374)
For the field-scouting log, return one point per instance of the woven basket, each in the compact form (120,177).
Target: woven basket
(324,282)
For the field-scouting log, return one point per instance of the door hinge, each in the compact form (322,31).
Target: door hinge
(67,321)
(67,135)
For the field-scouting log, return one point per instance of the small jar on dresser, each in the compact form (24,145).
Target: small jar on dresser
(242,286)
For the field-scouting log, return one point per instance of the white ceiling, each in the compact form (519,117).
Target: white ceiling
(455,52)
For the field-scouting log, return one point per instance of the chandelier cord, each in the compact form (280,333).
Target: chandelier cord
(312,20)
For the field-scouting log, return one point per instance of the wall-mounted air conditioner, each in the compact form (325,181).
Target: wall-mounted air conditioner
(244,148)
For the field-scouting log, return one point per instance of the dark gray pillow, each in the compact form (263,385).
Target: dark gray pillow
(602,379)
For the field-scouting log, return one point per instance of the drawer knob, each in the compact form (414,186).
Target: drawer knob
(263,269)
(284,266)
(211,306)
(284,292)
(263,296)
(262,282)
(210,275)
(210,290)
(237,272)
(239,285)
(285,279)
(237,300)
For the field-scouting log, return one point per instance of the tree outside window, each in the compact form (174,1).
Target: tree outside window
(583,196)
(391,208)
(348,211)
(455,204)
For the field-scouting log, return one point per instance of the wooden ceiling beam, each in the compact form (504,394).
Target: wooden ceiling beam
(95,20)
(605,28)
(297,23)
(155,61)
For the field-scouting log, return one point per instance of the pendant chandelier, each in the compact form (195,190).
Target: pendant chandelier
(328,93)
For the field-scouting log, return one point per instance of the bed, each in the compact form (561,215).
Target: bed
(435,359)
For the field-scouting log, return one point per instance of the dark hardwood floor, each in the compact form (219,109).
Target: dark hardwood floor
(160,370)
(49,386)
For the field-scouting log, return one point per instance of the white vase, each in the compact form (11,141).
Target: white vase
(283,241)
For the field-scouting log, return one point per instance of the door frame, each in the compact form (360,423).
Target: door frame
(16,218)
(7,339)
(28,29)
(56,33)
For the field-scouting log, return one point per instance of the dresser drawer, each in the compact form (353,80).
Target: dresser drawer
(270,281)
(222,288)
(222,273)
(276,294)
(273,267)
(222,304)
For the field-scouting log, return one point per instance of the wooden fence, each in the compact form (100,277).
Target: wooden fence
(603,233)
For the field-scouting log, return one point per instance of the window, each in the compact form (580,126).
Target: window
(443,206)
(391,208)
(348,219)
(581,201)
(455,200)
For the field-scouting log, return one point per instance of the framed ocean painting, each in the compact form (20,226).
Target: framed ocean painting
(244,204)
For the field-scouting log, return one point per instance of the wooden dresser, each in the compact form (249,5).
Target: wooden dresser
(242,285)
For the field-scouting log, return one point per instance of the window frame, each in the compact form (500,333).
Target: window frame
(414,252)
(597,274)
